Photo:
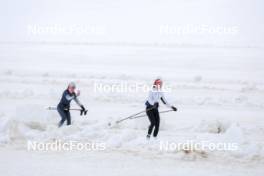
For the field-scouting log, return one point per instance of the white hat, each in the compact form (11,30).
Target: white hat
(72,84)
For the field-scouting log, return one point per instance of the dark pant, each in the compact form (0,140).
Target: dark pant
(154,119)
(65,115)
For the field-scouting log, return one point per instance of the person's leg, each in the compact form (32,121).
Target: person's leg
(152,121)
(68,117)
(63,116)
(157,122)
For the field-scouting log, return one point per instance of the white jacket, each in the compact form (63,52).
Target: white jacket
(155,96)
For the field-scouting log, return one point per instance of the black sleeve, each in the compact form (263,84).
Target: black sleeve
(163,100)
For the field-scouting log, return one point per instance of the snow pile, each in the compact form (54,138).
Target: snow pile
(212,126)
(133,140)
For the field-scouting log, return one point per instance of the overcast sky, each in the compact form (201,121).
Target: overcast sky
(133,21)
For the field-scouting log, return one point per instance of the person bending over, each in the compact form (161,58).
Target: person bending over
(64,104)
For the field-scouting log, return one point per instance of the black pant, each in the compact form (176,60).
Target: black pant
(65,115)
(154,119)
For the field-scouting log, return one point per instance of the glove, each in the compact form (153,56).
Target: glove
(83,110)
(174,108)
(156,105)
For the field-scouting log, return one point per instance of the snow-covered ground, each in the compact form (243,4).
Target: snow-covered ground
(219,92)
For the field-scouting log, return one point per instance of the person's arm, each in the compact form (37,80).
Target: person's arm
(79,103)
(74,97)
(70,97)
(164,101)
(83,110)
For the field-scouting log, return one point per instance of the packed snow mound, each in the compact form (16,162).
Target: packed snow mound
(212,126)
(13,130)
(235,133)
(123,139)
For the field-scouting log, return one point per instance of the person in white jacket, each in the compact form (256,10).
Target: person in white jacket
(152,105)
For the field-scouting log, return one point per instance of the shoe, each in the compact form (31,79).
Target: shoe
(148,137)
